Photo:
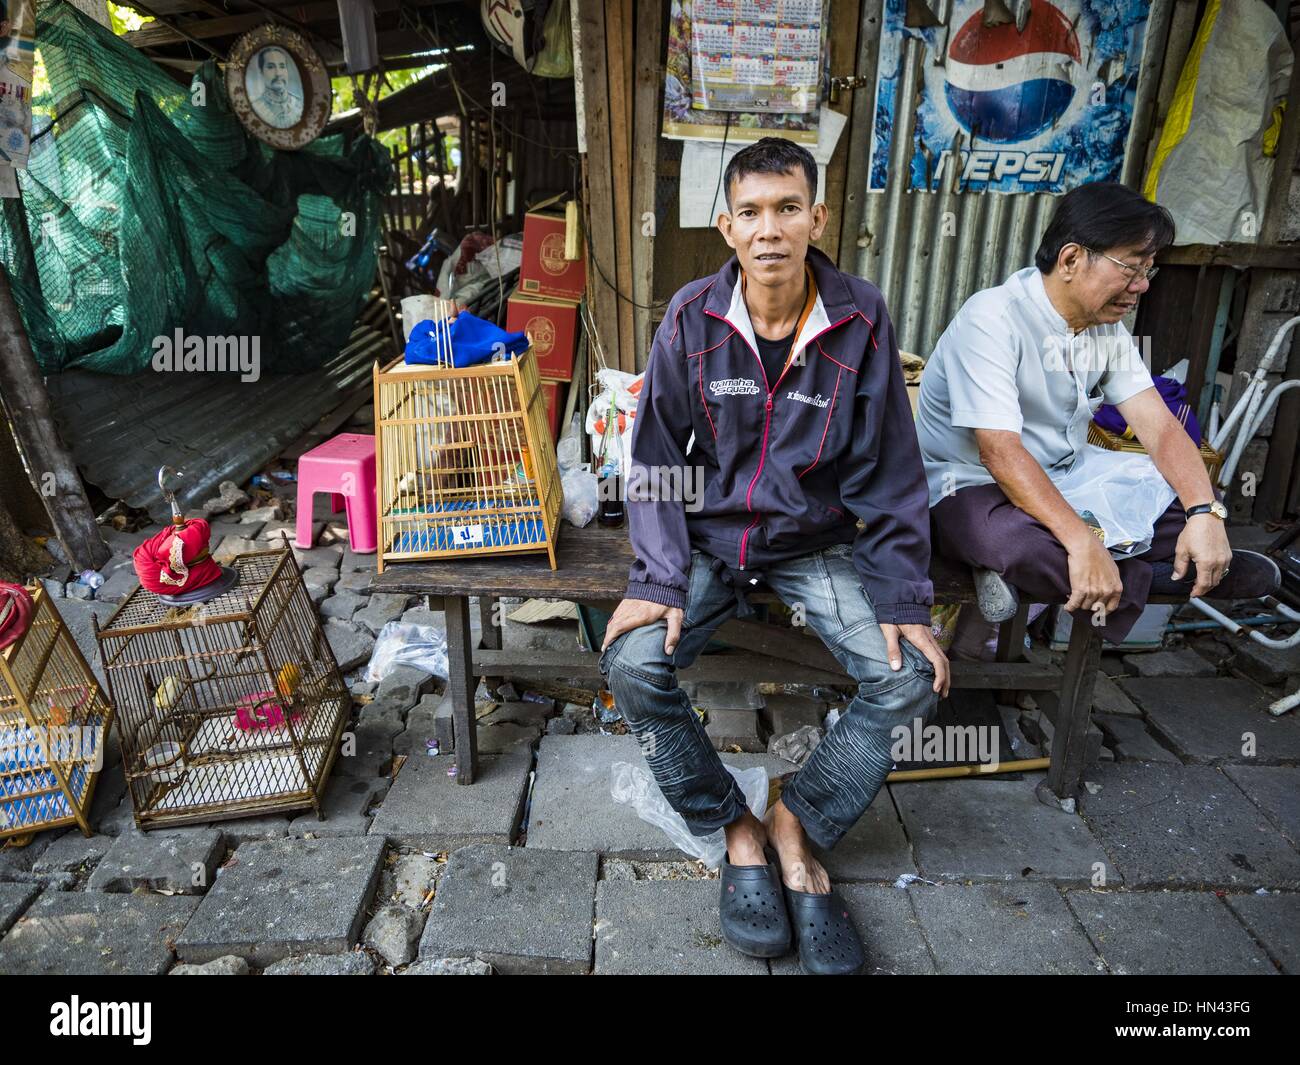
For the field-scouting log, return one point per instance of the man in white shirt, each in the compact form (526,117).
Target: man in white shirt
(1005,403)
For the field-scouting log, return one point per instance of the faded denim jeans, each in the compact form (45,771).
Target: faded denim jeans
(841,778)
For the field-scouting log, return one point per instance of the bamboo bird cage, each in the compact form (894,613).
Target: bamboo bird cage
(230,708)
(53,722)
(465,461)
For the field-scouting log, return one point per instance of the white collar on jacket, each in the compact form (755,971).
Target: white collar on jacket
(738,316)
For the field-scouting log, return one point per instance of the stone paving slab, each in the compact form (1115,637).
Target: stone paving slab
(1109,698)
(522,911)
(90,933)
(889,929)
(1183,662)
(1167,933)
(995,830)
(277,898)
(1130,740)
(71,852)
(1275,790)
(427,809)
(1023,928)
(1185,825)
(353,963)
(185,864)
(346,803)
(876,848)
(13,901)
(1275,921)
(668,927)
(1204,721)
(572,808)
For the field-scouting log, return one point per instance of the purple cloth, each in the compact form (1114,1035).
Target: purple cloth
(1175,397)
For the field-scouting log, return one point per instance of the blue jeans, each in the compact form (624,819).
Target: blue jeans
(838,782)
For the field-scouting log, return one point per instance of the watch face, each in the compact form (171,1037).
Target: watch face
(1219,510)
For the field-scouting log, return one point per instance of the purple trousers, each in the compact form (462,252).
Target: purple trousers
(981,527)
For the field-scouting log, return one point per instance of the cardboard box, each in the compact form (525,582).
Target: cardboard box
(544,270)
(552,325)
(554,391)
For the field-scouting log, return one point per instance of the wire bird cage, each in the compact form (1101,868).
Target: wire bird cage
(228,708)
(53,721)
(465,461)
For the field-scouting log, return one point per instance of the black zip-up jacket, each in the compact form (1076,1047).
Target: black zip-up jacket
(786,467)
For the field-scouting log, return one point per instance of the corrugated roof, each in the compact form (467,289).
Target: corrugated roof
(210,426)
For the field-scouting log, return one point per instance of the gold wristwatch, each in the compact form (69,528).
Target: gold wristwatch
(1216,508)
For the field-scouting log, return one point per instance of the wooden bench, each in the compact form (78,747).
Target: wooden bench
(593,568)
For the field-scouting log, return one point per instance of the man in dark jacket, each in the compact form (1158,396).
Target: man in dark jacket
(775,387)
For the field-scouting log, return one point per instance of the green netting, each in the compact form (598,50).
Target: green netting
(146,207)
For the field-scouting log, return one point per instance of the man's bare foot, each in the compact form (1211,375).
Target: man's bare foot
(799,869)
(746,839)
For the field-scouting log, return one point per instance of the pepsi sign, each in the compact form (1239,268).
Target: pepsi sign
(1037,107)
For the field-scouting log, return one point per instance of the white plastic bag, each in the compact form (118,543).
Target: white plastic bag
(580,490)
(622,391)
(634,785)
(401,643)
(1123,490)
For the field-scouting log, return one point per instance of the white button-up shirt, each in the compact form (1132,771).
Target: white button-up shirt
(1008,360)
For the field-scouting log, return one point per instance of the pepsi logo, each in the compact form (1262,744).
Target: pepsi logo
(1004,85)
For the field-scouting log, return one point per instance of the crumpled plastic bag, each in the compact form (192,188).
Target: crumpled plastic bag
(634,785)
(580,489)
(402,643)
(1123,490)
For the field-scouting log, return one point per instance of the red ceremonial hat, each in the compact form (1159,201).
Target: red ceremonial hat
(177,560)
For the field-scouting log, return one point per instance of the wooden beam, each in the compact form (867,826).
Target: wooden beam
(846,17)
(599,205)
(619,19)
(22,390)
(174,31)
(645,134)
(1242,256)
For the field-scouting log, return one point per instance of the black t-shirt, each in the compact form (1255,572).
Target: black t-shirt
(773,353)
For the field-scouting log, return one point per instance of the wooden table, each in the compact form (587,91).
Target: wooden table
(593,568)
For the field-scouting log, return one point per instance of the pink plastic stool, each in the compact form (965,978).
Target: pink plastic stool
(344,467)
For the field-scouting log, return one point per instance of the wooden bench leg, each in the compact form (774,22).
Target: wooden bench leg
(490,622)
(461,683)
(1070,738)
(1011,636)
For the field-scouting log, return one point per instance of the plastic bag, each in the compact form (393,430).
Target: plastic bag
(621,391)
(401,643)
(634,785)
(1213,165)
(1121,489)
(568,454)
(581,496)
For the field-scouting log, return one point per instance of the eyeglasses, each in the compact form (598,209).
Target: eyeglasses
(1130,271)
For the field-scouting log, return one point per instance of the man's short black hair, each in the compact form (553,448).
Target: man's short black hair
(772,155)
(1102,216)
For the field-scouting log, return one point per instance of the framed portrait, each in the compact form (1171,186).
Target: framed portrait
(278,86)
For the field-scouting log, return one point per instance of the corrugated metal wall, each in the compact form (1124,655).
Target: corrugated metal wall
(928,261)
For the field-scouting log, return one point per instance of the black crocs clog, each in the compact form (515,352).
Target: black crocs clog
(828,943)
(751,910)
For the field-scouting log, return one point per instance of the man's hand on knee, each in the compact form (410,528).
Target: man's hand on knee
(1203,541)
(920,637)
(1094,577)
(633,613)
